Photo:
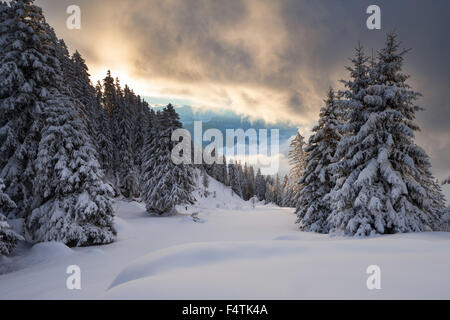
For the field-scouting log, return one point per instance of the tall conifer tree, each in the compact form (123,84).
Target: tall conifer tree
(165,184)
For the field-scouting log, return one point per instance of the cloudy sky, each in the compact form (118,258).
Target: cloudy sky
(266,59)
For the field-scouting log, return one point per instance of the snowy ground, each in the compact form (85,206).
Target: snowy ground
(231,251)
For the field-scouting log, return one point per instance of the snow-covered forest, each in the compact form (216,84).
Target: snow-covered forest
(365,174)
(77,160)
(68,148)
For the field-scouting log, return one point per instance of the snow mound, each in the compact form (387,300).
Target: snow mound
(120,224)
(45,252)
(39,253)
(300,269)
(50,250)
(201,254)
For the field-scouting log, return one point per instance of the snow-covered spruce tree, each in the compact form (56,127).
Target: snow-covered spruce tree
(72,204)
(141,119)
(27,79)
(316,179)
(297,157)
(76,83)
(205,183)
(249,173)
(217,171)
(116,119)
(242,180)
(63,56)
(260,186)
(269,196)
(81,84)
(111,102)
(235,174)
(209,168)
(85,95)
(165,184)
(277,191)
(127,172)
(354,115)
(297,160)
(109,94)
(230,169)
(387,185)
(8,238)
(214,170)
(104,140)
(273,190)
(224,172)
(149,130)
(285,193)
(289,197)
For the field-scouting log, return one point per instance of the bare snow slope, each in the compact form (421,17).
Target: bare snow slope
(230,251)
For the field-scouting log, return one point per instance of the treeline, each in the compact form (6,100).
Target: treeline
(248,183)
(68,148)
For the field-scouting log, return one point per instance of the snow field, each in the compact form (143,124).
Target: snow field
(234,251)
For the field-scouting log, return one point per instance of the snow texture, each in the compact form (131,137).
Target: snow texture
(238,252)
